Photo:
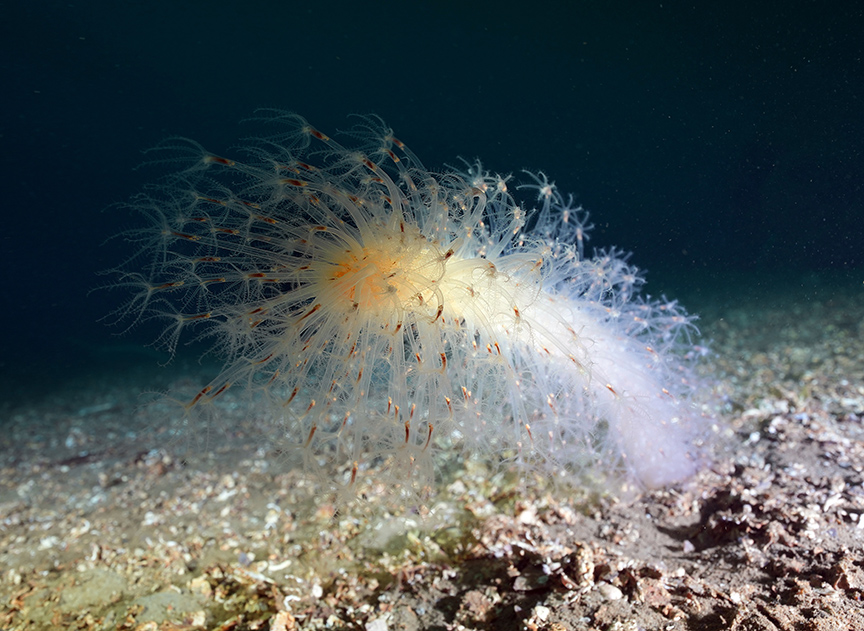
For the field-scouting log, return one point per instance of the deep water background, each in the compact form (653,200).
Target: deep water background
(720,143)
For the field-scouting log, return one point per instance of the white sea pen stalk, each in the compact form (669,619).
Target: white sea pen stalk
(593,362)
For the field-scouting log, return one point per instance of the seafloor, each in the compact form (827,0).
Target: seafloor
(110,520)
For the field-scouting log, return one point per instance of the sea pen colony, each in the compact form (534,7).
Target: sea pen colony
(385,312)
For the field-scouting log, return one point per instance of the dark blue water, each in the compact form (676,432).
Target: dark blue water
(722,145)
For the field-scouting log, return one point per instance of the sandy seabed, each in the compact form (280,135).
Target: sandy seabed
(108,521)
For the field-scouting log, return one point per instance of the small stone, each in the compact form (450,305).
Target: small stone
(541,613)
(378,624)
(610,592)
